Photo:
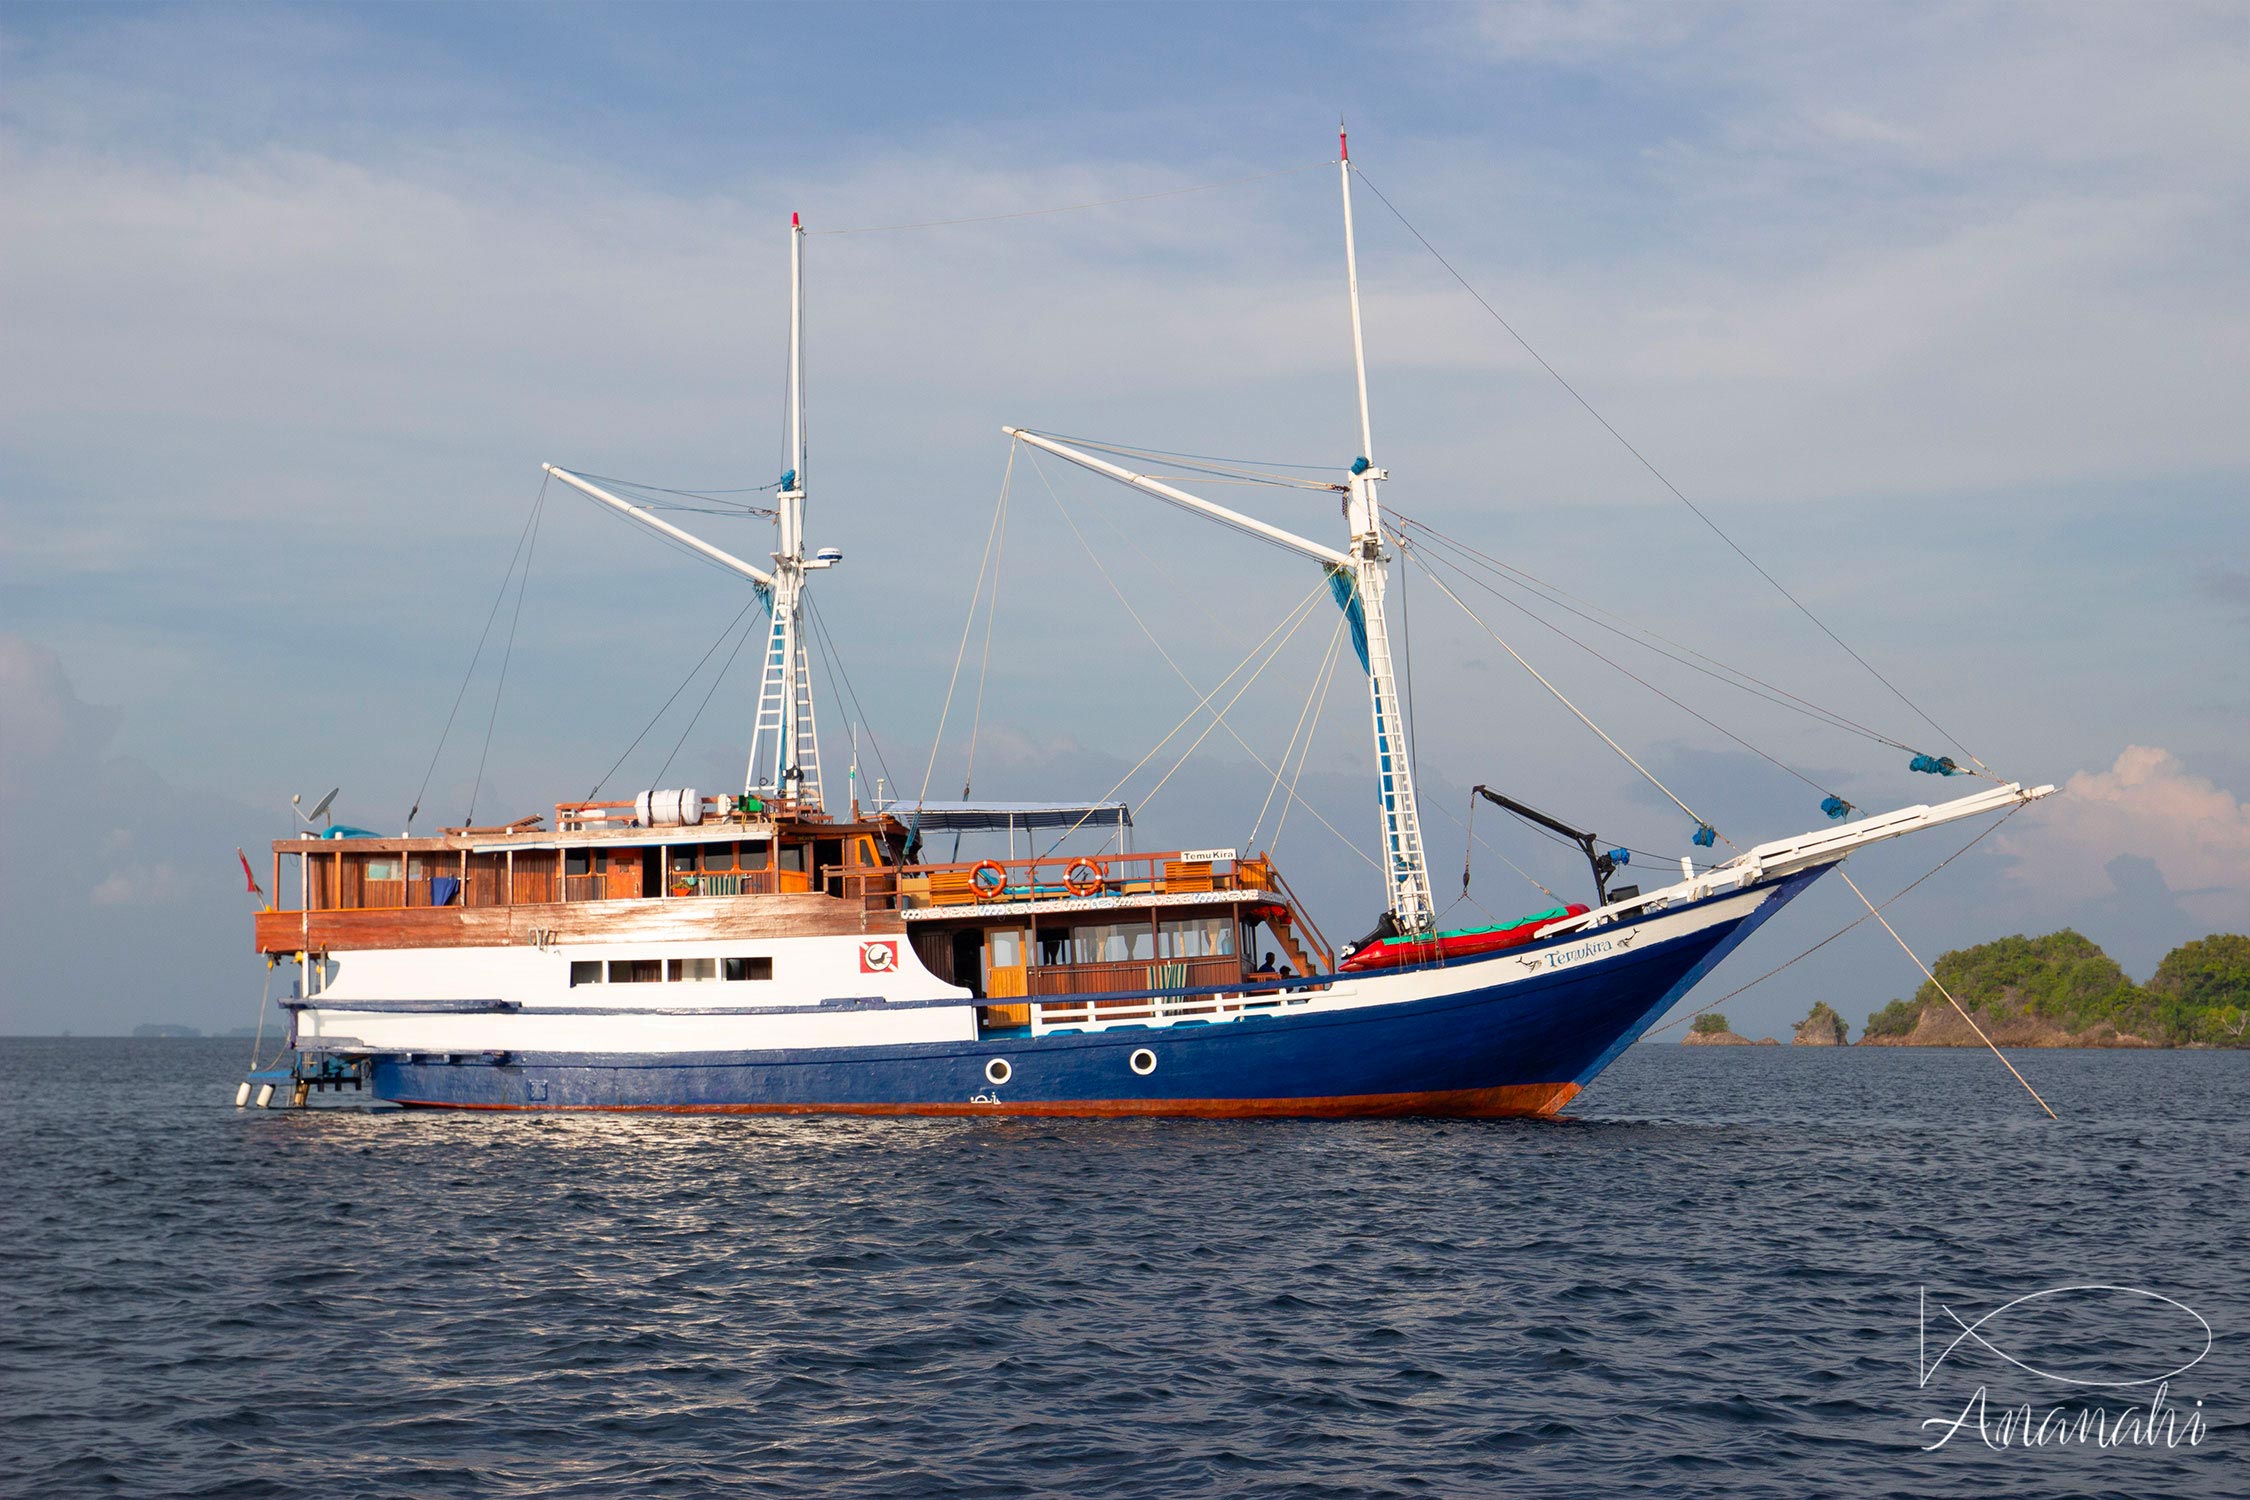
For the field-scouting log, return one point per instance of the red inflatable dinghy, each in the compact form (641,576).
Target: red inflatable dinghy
(1471,942)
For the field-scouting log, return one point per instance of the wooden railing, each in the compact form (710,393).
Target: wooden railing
(1060,878)
(1135,974)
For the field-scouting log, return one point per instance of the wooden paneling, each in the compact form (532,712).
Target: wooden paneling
(659,920)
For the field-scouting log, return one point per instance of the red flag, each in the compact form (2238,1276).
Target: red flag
(246,875)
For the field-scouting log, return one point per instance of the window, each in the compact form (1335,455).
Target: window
(1111,943)
(1198,937)
(748,968)
(680,970)
(382,869)
(793,857)
(585,971)
(636,970)
(578,861)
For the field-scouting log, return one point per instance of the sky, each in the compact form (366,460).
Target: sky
(1938,311)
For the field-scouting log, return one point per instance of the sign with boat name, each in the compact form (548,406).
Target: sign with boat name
(878,956)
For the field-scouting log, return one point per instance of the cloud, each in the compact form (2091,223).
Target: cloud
(2147,815)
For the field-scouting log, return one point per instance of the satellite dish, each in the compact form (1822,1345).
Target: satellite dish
(320,808)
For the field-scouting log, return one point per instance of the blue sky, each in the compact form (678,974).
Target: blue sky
(1940,310)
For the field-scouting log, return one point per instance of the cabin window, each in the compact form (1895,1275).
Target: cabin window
(681,970)
(636,970)
(578,861)
(755,854)
(585,971)
(793,857)
(1198,937)
(748,968)
(1111,943)
(382,869)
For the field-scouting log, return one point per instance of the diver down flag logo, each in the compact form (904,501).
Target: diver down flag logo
(878,957)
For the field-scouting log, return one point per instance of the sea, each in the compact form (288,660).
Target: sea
(1726,1272)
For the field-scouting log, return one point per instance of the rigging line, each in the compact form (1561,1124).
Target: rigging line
(1619,667)
(1296,612)
(1320,675)
(968,621)
(693,719)
(1563,599)
(1560,842)
(1557,692)
(1941,989)
(1468,854)
(1220,469)
(1839,932)
(699,492)
(828,644)
(1335,660)
(1219,714)
(477,655)
(1072,208)
(984,667)
(523,586)
(755,600)
(1177,671)
(1247,464)
(1677,493)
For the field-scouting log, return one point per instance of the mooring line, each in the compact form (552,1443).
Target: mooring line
(1941,989)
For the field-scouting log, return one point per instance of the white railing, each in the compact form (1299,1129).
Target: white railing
(1090,1013)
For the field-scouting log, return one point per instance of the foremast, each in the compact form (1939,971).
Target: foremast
(1360,577)
(1408,875)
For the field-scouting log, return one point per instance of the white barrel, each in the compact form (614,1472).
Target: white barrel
(691,807)
(242,1095)
(681,807)
(643,813)
(265,1095)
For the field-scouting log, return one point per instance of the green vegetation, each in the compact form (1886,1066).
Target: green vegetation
(2200,993)
(1823,1022)
(1709,1023)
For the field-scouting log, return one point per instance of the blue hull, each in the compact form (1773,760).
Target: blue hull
(1522,1048)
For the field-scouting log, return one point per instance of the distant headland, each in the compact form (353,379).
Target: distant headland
(2060,990)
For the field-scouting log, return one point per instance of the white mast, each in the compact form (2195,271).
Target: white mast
(784,742)
(1407,873)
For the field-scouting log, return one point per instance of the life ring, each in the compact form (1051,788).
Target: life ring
(999,879)
(1085,877)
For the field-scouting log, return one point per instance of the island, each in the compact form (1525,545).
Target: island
(2062,990)
(1711,1030)
(1821,1027)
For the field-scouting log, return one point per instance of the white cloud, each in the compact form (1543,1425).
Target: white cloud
(2147,805)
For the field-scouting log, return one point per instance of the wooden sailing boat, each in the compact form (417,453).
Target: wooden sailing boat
(761,953)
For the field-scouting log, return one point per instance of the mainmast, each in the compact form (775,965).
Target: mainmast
(784,743)
(1406,871)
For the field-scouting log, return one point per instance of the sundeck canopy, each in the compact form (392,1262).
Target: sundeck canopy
(1002,817)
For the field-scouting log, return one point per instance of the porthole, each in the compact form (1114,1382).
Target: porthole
(997,1071)
(1143,1061)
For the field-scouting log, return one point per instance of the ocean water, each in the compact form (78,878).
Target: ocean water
(1705,1281)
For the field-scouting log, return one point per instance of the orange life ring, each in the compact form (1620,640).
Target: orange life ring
(1088,884)
(999,880)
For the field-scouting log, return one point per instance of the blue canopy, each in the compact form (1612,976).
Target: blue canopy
(1000,817)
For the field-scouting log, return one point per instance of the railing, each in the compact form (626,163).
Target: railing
(1136,974)
(1307,932)
(1061,878)
(593,817)
(1145,1010)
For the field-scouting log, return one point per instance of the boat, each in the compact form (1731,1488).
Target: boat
(769,952)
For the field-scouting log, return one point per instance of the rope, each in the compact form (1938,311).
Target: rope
(1319,679)
(498,599)
(1625,671)
(1335,661)
(1007,477)
(697,717)
(1564,600)
(1177,671)
(1468,854)
(1072,208)
(1839,932)
(756,598)
(1297,613)
(523,586)
(1941,989)
(1219,715)
(984,667)
(1551,688)
(834,660)
(1660,477)
(258,1038)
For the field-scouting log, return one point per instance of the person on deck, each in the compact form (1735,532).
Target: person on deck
(1265,970)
